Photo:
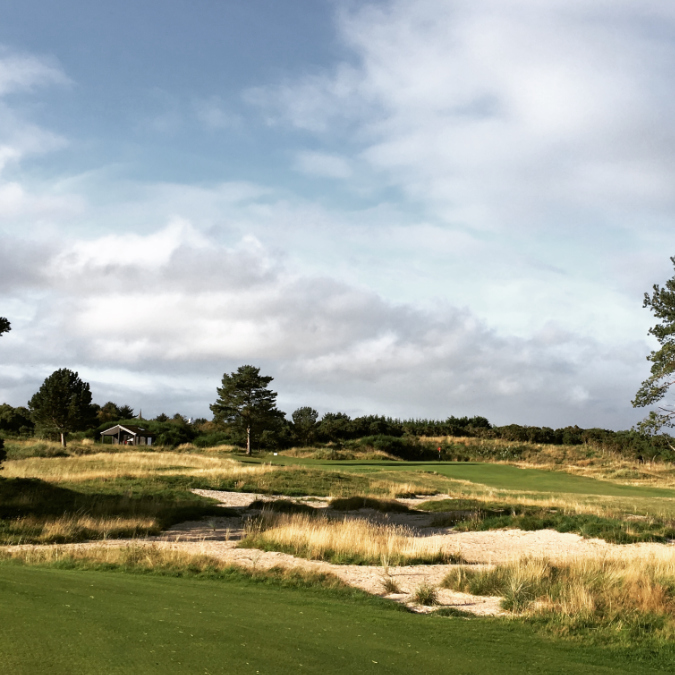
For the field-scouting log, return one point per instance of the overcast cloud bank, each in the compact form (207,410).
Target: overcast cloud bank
(501,193)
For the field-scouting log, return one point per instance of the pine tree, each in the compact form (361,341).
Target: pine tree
(245,401)
(62,404)
(655,387)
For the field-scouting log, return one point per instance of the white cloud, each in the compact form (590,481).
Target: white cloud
(502,114)
(323,164)
(201,306)
(25,72)
(213,114)
(373,310)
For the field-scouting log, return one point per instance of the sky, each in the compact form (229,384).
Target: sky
(415,208)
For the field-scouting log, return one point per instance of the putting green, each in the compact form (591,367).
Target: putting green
(500,476)
(66,622)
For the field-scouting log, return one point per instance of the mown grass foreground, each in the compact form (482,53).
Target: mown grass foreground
(65,621)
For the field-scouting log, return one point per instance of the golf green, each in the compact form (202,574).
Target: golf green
(73,622)
(500,476)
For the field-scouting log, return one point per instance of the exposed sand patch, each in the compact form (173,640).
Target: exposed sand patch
(218,537)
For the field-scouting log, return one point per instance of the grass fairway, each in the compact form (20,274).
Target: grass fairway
(499,476)
(65,621)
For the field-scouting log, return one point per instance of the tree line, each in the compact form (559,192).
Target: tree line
(245,413)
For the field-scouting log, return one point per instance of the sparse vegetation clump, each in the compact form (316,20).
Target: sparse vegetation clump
(426,595)
(343,541)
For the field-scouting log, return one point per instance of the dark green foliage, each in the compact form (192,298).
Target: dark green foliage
(335,427)
(453,426)
(175,434)
(15,421)
(126,412)
(3,452)
(656,386)
(355,503)
(214,438)
(5,326)
(62,404)
(305,424)
(109,412)
(406,448)
(245,402)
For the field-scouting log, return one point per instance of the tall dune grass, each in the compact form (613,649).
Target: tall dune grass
(347,541)
(625,590)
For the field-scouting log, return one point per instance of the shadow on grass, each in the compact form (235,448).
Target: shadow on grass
(35,511)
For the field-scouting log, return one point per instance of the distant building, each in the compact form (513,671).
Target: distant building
(128,435)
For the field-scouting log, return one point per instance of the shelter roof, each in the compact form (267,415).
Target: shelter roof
(127,428)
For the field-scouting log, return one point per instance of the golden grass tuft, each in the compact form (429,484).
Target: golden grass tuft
(106,466)
(393,489)
(162,559)
(342,540)
(625,585)
(76,528)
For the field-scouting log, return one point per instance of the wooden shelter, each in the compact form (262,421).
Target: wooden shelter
(128,435)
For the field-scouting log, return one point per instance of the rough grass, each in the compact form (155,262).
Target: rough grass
(73,528)
(587,520)
(106,466)
(33,511)
(164,561)
(579,460)
(345,541)
(339,455)
(624,596)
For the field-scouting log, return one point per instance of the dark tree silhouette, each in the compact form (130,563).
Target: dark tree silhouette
(63,404)
(245,401)
(655,387)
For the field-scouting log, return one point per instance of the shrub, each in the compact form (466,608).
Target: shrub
(425,594)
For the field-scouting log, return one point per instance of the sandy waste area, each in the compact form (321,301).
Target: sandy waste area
(218,537)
